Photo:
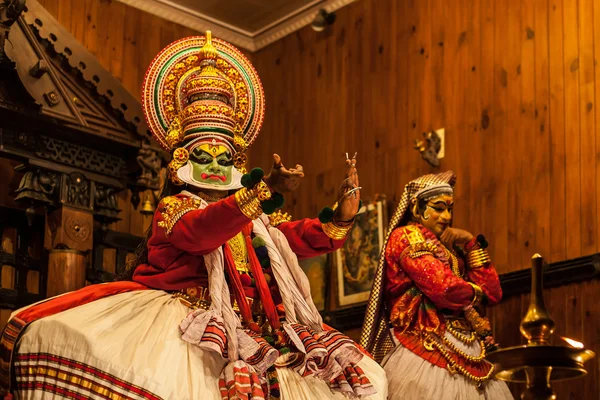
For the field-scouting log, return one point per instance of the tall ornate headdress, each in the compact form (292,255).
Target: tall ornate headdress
(200,91)
(375,335)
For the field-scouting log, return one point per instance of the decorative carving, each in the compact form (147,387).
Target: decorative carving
(83,64)
(150,163)
(39,69)
(10,10)
(76,191)
(21,138)
(106,207)
(429,147)
(77,229)
(52,98)
(37,186)
(80,157)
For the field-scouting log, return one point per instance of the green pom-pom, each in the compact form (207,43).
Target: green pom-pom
(326,215)
(482,242)
(278,199)
(256,174)
(269,340)
(258,242)
(247,181)
(265,262)
(268,206)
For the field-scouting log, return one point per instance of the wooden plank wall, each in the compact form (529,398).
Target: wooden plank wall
(513,82)
(515,85)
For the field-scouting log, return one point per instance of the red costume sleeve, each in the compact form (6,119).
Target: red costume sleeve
(200,232)
(486,277)
(431,276)
(307,239)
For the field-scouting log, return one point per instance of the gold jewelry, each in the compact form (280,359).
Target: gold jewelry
(453,261)
(180,158)
(239,250)
(429,343)
(461,336)
(278,218)
(480,324)
(334,231)
(192,302)
(478,294)
(262,191)
(478,258)
(248,203)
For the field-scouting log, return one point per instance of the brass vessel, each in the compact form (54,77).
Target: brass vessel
(538,363)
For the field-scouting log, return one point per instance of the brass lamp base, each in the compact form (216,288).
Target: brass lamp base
(564,362)
(538,363)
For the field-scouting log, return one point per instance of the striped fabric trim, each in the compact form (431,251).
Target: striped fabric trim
(11,333)
(265,356)
(72,379)
(353,382)
(16,326)
(328,353)
(215,338)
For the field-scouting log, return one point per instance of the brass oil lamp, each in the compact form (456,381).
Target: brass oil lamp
(538,363)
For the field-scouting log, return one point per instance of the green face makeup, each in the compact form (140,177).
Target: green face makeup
(213,170)
(438,214)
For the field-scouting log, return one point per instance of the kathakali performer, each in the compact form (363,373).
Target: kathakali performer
(217,306)
(424,310)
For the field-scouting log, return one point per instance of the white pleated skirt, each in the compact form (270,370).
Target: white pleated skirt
(412,378)
(129,345)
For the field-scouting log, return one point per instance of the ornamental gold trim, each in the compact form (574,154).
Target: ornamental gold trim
(173,209)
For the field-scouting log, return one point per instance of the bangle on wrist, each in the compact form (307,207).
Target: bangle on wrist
(478,258)
(477,294)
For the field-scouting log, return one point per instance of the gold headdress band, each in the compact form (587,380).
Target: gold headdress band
(375,335)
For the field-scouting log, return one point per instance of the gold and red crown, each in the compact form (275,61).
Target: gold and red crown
(201,88)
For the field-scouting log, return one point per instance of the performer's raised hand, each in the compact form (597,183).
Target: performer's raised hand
(349,194)
(455,236)
(282,179)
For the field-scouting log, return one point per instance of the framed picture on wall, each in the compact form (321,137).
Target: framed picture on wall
(356,262)
(317,271)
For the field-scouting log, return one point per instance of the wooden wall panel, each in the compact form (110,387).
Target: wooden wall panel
(515,84)
(512,82)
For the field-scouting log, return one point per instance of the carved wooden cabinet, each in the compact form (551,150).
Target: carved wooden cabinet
(76,138)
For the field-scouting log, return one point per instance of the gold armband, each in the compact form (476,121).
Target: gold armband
(336,232)
(248,202)
(477,296)
(478,258)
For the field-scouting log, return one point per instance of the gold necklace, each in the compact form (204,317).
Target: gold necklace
(238,248)
(459,335)
(453,262)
